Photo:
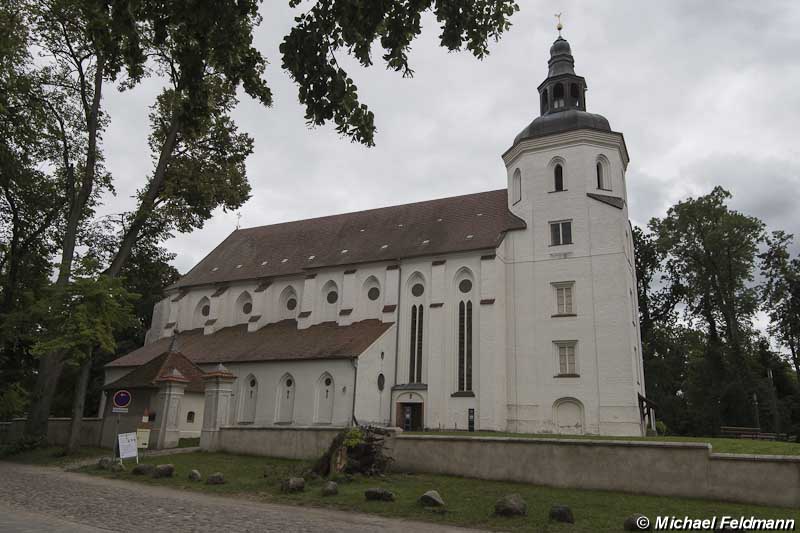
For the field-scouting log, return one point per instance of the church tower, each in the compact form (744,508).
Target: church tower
(573,363)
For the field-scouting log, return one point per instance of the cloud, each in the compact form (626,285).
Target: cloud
(704,92)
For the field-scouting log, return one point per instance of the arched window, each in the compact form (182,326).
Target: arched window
(325,394)
(288,303)
(516,186)
(190,417)
(465,336)
(558,96)
(543,106)
(574,95)
(284,412)
(416,331)
(558,178)
(600,177)
(370,303)
(330,297)
(201,312)
(244,306)
(250,399)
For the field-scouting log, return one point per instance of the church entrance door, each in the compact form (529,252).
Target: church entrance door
(409,416)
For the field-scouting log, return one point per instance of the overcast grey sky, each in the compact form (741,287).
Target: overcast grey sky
(705,93)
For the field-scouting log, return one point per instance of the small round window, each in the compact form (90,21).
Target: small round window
(206,310)
(291,304)
(374,293)
(328,382)
(289,382)
(465,285)
(247,308)
(381,382)
(252,383)
(417,290)
(333,297)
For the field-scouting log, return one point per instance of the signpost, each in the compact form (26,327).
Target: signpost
(121,401)
(119,404)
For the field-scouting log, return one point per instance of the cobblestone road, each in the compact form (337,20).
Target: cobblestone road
(48,499)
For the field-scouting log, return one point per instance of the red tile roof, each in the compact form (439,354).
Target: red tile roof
(461,223)
(147,375)
(281,341)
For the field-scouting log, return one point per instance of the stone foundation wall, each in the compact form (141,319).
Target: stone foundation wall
(57,431)
(657,468)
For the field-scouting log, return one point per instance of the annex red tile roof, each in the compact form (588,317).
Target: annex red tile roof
(147,375)
(435,227)
(281,341)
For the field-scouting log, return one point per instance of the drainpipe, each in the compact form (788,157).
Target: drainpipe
(396,339)
(353,421)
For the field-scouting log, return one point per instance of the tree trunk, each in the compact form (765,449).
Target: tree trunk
(78,401)
(50,365)
(148,199)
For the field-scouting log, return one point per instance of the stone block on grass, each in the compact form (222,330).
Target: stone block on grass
(143,469)
(216,479)
(167,470)
(104,463)
(195,475)
(330,489)
(636,522)
(511,505)
(293,484)
(562,513)
(117,466)
(379,494)
(432,498)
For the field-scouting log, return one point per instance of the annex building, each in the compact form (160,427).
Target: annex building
(510,310)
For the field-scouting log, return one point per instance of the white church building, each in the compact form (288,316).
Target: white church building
(508,310)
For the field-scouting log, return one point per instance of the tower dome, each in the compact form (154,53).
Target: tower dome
(562,98)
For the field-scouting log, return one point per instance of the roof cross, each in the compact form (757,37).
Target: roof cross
(559,26)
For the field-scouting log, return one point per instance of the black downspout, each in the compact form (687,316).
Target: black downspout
(354,422)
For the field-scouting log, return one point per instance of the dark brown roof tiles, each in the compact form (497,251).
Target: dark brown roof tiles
(447,224)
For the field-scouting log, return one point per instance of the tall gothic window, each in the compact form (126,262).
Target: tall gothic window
(465,346)
(415,359)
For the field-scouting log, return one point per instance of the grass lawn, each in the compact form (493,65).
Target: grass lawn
(719,445)
(52,456)
(470,502)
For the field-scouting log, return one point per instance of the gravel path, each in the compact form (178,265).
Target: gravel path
(36,498)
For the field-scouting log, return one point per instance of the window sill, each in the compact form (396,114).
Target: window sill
(562,190)
(567,376)
(562,244)
(561,315)
(463,394)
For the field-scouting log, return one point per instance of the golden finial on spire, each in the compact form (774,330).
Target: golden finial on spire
(559,26)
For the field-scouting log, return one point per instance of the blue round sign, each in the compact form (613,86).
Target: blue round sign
(121,399)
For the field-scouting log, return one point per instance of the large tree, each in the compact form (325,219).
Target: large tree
(203,50)
(710,255)
(781,294)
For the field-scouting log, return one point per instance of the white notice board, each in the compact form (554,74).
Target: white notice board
(127,445)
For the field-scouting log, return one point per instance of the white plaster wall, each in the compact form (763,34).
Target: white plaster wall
(306,375)
(372,405)
(191,401)
(598,263)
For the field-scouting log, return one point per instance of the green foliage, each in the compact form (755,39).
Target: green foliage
(353,437)
(330,26)
(781,293)
(13,401)
(83,315)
